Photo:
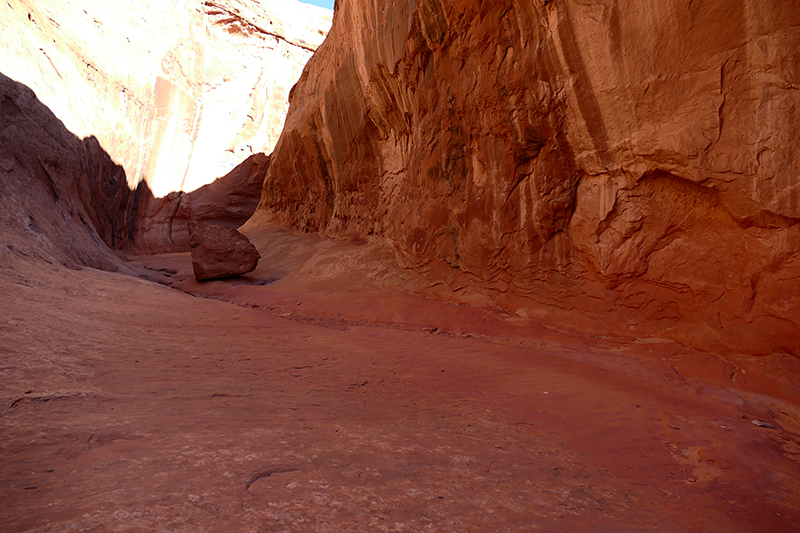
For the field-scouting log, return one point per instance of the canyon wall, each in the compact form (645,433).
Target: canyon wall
(614,166)
(178,93)
(63,200)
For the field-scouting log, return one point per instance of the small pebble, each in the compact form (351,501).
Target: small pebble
(762,424)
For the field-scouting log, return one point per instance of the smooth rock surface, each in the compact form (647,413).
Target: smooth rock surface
(177,93)
(220,251)
(603,165)
(130,406)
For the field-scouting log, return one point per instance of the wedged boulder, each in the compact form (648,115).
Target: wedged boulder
(161,225)
(220,251)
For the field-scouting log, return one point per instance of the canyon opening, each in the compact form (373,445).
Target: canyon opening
(408,265)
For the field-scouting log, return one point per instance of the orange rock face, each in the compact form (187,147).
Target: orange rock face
(617,166)
(65,200)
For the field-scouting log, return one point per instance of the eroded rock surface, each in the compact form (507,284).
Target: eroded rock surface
(66,199)
(161,225)
(132,407)
(62,199)
(220,251)
(177,93)
(617,166)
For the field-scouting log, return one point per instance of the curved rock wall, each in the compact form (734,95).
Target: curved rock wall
(62,199)
(178,93)
(619,166)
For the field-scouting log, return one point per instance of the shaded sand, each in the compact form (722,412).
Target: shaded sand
(320,404)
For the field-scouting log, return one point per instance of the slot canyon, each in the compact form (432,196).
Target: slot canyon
(405,265)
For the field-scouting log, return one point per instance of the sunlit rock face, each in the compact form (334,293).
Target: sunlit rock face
(612,165)
(179,92)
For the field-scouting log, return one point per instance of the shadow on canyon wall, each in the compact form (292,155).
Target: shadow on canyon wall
(62,199)
(65,200)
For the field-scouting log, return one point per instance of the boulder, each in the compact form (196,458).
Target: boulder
(220,251)
(161,225)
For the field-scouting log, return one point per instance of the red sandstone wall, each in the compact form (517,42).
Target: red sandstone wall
(62,199)
(613,165)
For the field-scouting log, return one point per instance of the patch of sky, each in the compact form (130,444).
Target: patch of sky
(328,4)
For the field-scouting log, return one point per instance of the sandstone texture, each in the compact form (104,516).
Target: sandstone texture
(617,166)
(178,93)
(220,251)
(128,406)
(65,199)
(161,225)
(62,199)
(318,394)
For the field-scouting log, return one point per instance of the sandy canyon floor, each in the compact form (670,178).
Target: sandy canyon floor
(311,402)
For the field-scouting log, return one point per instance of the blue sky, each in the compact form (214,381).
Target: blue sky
(321,3)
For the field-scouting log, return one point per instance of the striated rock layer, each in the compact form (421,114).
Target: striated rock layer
(178,93)
(619,166)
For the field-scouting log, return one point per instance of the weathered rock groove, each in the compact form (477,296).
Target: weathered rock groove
(602,165)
